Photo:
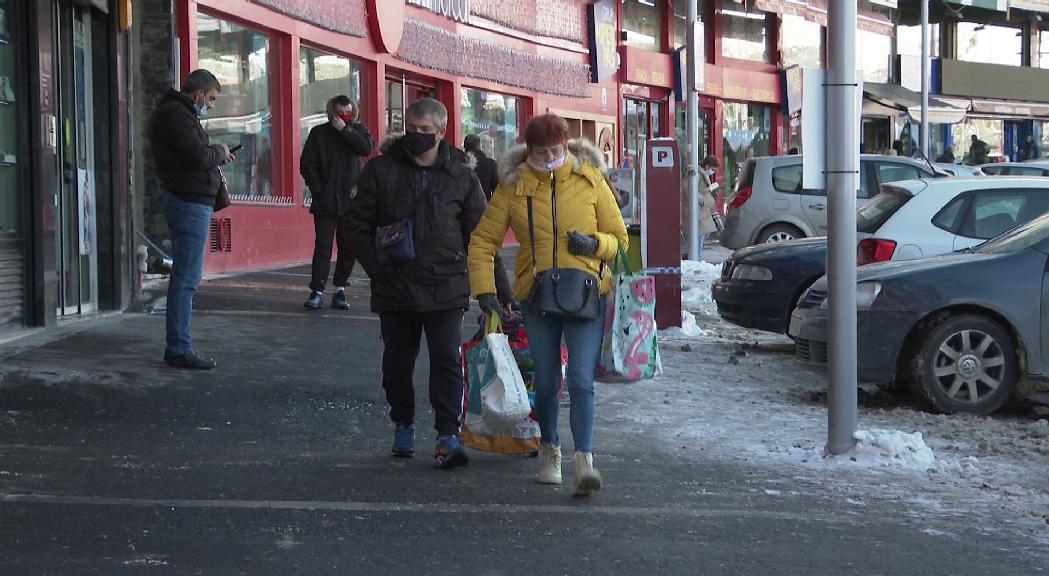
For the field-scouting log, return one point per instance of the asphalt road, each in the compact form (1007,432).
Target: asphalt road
(278,463)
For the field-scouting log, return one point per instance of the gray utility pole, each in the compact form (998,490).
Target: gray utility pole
(692,118)
(925,79)
(843,160)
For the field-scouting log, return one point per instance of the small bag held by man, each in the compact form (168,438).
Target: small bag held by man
(394,244)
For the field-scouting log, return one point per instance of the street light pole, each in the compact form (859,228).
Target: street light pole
(925,79)
(692,121)
(842,167)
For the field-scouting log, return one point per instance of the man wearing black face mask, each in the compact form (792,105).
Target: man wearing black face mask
(423,181)
(188,168)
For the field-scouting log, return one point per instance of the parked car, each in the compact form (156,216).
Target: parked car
(1028,168)
(959,329)
(770,204)
(760,285)
(958,169)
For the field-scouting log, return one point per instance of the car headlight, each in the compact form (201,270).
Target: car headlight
(866,294)
(751,272)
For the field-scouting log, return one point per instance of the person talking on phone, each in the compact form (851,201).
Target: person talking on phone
(332,160)
(187,165)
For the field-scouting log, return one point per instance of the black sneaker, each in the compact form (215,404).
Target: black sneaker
(190,360)
(316,301)
(339,300)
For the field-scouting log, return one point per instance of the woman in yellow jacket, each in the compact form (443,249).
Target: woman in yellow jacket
(589,232)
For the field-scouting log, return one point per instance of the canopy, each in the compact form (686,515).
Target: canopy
(900,98)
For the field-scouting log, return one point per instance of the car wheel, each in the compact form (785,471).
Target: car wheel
(965,364)
(779,233)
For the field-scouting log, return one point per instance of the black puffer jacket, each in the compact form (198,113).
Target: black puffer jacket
(331,163)
(187,164)
(444,201)
(487,171)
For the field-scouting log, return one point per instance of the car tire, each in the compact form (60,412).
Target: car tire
(966,363)
(779,233)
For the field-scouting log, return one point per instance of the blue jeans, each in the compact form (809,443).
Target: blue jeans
(702,241)
(583,339)
(189,224)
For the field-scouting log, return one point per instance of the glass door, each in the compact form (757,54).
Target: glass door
(77,242)
(12,245)
(400,92)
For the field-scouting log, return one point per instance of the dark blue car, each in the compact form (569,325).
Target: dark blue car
(760,285)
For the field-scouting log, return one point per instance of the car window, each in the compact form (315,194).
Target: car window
(993,212)
(1022,171)
(746,177)
(873,214)
(949,217)
(1021,238)
(866,190)
(992,170)
(787,179)
(893,172)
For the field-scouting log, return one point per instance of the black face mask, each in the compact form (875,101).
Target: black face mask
(417,143)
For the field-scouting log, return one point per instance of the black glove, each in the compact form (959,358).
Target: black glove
(489,303)
(580,244)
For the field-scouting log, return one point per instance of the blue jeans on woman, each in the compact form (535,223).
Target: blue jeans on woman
(583,339)
(189,223)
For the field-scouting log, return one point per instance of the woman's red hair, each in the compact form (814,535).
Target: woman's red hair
(546,130)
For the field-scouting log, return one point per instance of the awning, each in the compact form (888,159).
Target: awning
(997,5)
(902,99)
(1030,5)
(1011,109)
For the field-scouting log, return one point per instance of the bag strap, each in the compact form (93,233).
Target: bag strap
(493,324)
(531,235)
(622,263)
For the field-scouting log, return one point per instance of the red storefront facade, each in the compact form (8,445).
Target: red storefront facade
(493,64)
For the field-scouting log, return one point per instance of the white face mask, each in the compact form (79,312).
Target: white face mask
(548,166)
(711,172)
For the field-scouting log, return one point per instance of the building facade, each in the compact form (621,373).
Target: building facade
(65,240)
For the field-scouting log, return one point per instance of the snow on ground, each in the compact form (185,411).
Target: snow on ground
(734,394)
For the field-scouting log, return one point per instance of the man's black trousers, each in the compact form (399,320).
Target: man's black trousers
(328,228)
(400,336)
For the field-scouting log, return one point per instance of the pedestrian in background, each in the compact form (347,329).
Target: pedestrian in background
(1030,149)
(978,151)
(486,168)
(586,230)
(187,165)
(420,191)
(332,160)
(708,186)
(947,156)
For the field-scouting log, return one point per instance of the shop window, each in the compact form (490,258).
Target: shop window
(323,76)
(643,121)
(239,58)
(10,107)
(873,60)
(989,130)
(493,117)
(802,42)
(642,20)
(909,40)
(745,35)
(1043,48)
(990,44)
(681,20)
(747,134)
(1043,137)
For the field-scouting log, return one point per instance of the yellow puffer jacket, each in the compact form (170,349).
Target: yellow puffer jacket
(584,203)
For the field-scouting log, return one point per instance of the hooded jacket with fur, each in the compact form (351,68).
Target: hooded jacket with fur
(585,203)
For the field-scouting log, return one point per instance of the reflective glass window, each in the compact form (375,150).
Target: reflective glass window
(802,42)
(642,20)
(322,76)
(745,34)
(493,117)
(990,44)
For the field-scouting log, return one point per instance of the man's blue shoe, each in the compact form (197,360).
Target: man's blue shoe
(404,441)
(449,452)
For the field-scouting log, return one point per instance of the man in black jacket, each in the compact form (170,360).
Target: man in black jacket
(331,162)
(486,168)
(422,179)
(187,165)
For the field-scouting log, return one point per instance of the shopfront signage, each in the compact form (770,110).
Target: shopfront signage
(458,10)
(387,24)
(647,68)
(742,85)
(602,28)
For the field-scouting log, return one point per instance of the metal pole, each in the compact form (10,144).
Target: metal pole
(692,121)
(925,79)
(843,161)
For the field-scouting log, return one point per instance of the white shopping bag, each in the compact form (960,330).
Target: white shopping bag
(494,374)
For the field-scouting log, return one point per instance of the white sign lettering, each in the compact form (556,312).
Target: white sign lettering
(458,10)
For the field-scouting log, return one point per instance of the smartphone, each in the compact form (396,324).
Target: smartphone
(236,149)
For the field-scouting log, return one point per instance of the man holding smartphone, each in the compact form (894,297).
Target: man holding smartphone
(187,164)
(332,160)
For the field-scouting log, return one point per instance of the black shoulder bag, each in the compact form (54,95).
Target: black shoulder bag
(566,292)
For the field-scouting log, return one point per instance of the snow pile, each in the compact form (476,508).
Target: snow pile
(696,280)
(689,329)
(892,447)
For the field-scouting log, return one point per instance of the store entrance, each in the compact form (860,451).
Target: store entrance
(402,90)
(84,160)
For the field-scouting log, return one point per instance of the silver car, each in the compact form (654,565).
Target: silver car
(1026,168)
(770,204)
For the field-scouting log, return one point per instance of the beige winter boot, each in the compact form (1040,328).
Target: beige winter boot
(587,478)
(550,459)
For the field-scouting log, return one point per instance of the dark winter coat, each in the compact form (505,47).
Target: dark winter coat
(331,163)
(187,163)
(445,201)
(487,171)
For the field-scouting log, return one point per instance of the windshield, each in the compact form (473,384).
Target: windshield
(1019,238)
(873,214)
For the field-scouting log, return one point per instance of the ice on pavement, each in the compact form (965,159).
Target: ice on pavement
(741,397)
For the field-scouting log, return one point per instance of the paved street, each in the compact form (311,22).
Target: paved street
(278,463)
